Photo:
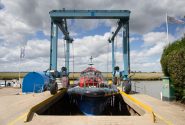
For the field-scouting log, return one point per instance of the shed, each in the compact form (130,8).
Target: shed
(35,82)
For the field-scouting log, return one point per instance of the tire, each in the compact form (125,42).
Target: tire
(45,88)
(53,88)
(127,87)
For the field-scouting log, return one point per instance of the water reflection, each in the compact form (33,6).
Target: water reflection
(151,88)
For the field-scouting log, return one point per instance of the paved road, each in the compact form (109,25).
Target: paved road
(7,91)
(13,106)
(169,111)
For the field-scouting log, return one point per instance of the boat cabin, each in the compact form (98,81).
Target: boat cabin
(90,77)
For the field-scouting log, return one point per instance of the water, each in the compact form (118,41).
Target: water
(151,88)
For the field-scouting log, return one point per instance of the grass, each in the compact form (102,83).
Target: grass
(147,76)
(136,76)
(11,75)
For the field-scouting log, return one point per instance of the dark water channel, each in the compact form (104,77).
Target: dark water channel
(66,107)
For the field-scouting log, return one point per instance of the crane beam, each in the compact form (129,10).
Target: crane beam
(117,30)
(89,14)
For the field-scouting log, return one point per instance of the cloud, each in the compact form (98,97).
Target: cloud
(37,49)
(37,55)
(37,52)
(154,38)
(154,42)
(132,39)
(13,29)
(1,5)
(20,20)
(24,18)
(144,17)
(180,32)
(91,45)
(153,45)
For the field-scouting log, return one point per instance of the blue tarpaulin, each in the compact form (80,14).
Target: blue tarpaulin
(34,82)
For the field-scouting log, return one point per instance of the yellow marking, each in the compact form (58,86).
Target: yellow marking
(71,82)
(21,117)
(110,82)
(163,119)
(146,107)
(34,108)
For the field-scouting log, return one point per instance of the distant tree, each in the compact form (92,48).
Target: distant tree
(173,65)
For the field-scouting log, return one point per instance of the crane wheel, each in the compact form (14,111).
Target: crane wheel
(54,88)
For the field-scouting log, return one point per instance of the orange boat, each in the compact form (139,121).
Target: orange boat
(90,77)
(91,94)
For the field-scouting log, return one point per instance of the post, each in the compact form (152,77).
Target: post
(128,42)
(167,28)
(125,51)
(53,46)
(113,58)
(20,63)
(67,55)
(20,69)
(168,93)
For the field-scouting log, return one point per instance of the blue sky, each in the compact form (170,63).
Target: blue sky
(27,24)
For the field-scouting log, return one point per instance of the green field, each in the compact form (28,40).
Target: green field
(136,76)
(147,76)
(11,75)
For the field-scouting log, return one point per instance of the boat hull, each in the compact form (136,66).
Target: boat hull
(91,101)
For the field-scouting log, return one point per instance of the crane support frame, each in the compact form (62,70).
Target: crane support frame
(59,17)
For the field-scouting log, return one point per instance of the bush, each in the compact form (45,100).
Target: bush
(173,65)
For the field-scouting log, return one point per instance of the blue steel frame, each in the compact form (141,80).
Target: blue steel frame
(126,49)
(53,46)
(125,46)
(58,18)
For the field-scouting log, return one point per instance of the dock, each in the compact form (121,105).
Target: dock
(165,111)
(18,109)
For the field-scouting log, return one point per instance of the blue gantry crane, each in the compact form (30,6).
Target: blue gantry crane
(59,20)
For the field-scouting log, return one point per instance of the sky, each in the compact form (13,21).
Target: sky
(26,23)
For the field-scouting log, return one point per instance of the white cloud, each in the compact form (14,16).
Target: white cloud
(154,43)
(91,45)
(132,39)
(180,32)
(37,55)
(12,29)
(37,49)
(1,5)
(144,17)
(154,38)
(19,19)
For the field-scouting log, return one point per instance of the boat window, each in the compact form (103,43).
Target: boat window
(90,73)
(83,74)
